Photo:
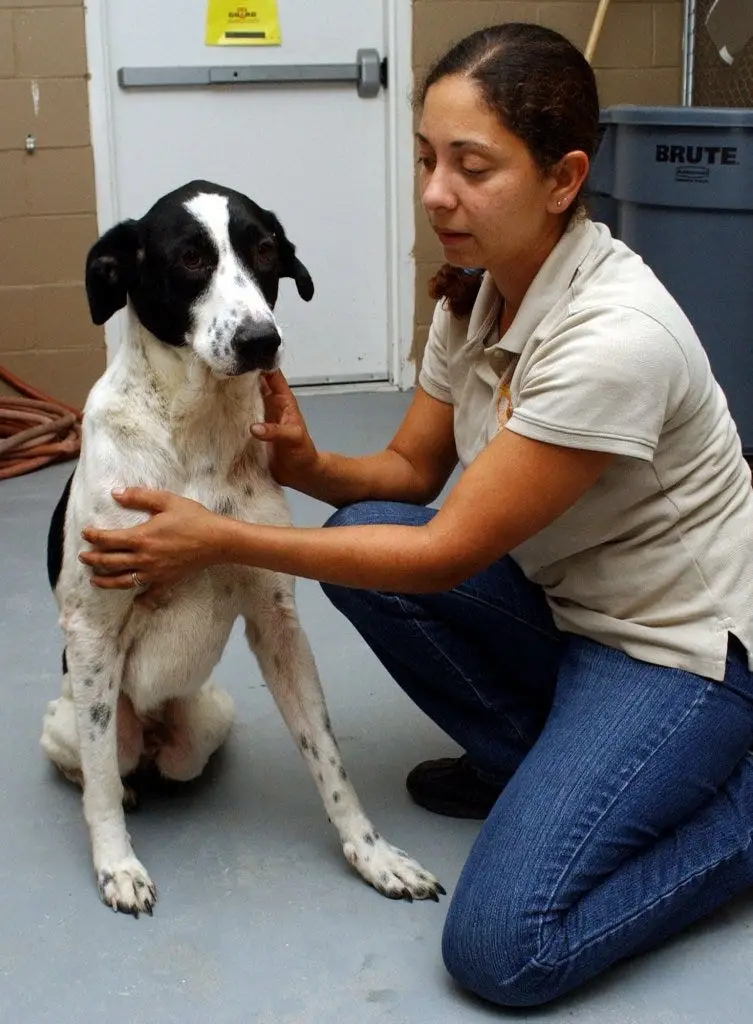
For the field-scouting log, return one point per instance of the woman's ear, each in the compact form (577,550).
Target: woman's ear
(568,176)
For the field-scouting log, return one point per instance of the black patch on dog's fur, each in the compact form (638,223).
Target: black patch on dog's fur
(100,715)
(55,538)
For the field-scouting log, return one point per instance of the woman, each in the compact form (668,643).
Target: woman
(578,615)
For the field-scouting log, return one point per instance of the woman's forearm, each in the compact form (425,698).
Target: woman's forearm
(385,476)
(383,557)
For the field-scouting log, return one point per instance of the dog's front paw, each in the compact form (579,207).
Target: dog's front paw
(391,871)
(127,887)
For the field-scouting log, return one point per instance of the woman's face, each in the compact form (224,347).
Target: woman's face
(485,197)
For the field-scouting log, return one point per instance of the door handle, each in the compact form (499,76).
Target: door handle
(369,74)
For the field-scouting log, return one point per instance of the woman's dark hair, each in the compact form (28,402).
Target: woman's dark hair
(541,88)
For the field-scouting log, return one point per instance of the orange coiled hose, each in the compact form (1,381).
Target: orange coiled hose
(35,429)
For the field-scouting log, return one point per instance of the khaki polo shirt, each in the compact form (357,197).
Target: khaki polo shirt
(657,558)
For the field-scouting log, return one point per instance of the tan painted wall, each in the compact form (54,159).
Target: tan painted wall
(47,204)
(638,60)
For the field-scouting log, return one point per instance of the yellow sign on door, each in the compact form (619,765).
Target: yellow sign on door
(255,24)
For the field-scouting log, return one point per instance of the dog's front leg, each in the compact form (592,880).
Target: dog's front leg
(95,665)
(287,664)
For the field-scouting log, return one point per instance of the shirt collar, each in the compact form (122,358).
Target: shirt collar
(547,288)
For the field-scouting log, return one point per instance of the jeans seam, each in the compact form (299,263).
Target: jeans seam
(557,636)
(656,902)
(547,910)
(456,667)
(553,965)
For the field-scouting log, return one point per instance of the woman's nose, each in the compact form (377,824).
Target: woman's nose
(436,191)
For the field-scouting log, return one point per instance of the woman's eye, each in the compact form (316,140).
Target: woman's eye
(473,172)
(424,162)
(192,259)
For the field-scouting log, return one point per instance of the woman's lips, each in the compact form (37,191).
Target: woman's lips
(450,238)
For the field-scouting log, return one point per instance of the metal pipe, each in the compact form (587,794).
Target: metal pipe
(688,52)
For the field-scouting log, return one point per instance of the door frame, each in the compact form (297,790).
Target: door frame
(400,213)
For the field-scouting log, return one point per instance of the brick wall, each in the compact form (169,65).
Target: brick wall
(638,60)
(47,203)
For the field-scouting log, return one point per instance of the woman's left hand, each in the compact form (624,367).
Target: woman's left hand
(180,538)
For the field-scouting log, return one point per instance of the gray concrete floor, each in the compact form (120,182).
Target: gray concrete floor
(260,919)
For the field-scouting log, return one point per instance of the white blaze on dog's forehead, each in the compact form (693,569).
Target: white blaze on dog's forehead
(211,210)
(233,285)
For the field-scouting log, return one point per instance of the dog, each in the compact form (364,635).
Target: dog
(198,276)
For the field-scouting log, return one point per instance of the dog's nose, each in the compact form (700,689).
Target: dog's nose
(255,346)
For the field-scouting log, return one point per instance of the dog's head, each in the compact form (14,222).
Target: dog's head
(201,269)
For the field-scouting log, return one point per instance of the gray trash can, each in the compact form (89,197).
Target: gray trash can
(597,193)
(676,185)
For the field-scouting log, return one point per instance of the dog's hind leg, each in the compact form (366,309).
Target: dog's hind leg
(60,742)
(59,739)
(194,727)
(95,662)
(288,667)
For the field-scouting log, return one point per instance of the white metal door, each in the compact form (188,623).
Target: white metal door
(321,157)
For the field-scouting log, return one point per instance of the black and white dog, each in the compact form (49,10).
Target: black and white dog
(199,275)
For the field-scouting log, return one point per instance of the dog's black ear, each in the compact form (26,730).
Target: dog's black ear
(295,269)
(110,267)
(290,265)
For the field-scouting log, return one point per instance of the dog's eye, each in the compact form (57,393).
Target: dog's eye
(192,259)
(266,249)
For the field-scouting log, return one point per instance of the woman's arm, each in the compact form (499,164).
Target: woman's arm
(413,467)
(515,488)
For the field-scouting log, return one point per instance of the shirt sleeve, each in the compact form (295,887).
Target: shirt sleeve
(607,381)
(434,377)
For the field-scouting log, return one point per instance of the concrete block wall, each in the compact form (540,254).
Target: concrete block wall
(638,60)
(47,202)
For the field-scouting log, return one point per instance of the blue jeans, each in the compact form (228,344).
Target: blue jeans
(627,811)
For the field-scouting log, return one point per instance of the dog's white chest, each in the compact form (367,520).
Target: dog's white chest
(248,497)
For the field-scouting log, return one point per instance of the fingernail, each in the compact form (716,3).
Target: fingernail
(117,492)
(257,430)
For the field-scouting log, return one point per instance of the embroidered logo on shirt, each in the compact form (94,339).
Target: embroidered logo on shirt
(504,403)
(504,397)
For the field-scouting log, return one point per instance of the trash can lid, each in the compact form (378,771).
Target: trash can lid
(697,117)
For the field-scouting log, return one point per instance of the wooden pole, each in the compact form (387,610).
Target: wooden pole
(593,38)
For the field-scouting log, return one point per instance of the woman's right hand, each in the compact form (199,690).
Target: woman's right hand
(293,458)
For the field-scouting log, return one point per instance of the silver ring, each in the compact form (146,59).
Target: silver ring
(136,580)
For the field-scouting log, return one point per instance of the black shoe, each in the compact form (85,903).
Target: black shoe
(453,787)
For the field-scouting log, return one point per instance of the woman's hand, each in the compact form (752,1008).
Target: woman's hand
(293,458)
(181,537)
